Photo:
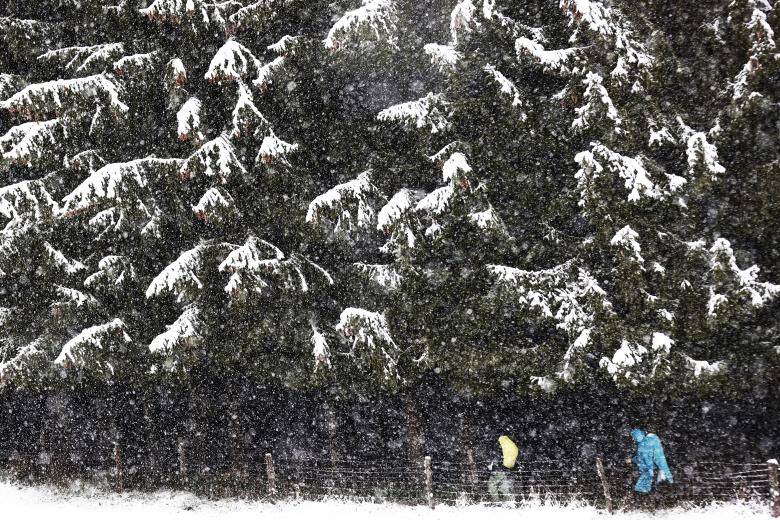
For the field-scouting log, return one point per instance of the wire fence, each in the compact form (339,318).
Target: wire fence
(425,481)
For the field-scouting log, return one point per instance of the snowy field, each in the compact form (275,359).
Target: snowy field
(46,502)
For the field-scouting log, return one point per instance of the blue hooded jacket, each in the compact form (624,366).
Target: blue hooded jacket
(649,456)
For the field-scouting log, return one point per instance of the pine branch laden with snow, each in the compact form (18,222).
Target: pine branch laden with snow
(27,364)
(215,206)
(445,57)
(52,96)
(629,171)
(26,202)
(10,83)
(96,348)
(731,287)
(627,240)
(71,300)
(184,276)
(462,21)
(347,206)
(395,221)
(610,26)
(175,73)
(489,220)
(375,20)
(570,297)
(197,12)
(702,155)
(87,60)
(385,276)
(371,342)
(320,350)
(135,64)
(259,266)
(215,158)
(598,106)
(762,52)
(188,121)
(273,149)
(59,261)
(260,13)
(560,61)
(32,142)
(636,363)
(286,45)
(266,73)
(114,271)
(430,111)
(117,182)
(232,62)
(246,116)
(506,88)
(186,332)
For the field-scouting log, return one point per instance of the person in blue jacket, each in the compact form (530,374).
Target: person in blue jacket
(649,456)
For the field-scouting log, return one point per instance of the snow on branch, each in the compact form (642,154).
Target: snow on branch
(51,95)
(196,11)
(443,56)
(598,106)
(183,276)
(569,296)
(286,45)
(26,201)
(347,206)
(507,87)
(627,239)
(631,170)
(561,61)
(610,26)
(258,266)
(116,182)
(429,111)
(637,363)
(462,20)
(273,149)
(71,299)
(186,331)
(266,73)
(372,343)
(246,116)
(88,59)
(113,271)
(215,206)
(232,62)
(702,155)
(92,345)
(62,262)
(137,63)
(320,349)
(24,143)
(734,285)
(188,121)
(385,276)
(215,158)
(374,20)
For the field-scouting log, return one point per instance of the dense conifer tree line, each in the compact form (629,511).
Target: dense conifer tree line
(227,222)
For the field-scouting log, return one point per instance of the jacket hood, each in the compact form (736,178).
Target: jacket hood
(638,434)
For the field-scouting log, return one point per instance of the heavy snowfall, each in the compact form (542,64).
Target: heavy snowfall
(452,257)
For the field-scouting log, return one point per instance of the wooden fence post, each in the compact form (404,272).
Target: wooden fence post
(428,481)
(271,474)
(119,466)
(182,460)
(472,466)
(774,487)
(604,483)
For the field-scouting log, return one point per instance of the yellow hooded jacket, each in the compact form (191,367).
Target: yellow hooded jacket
(509,450)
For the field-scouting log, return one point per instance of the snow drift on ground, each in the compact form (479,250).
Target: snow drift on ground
(88,504)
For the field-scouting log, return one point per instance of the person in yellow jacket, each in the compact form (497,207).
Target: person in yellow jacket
(500,484)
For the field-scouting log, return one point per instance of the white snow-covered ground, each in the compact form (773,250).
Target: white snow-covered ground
(30,503)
